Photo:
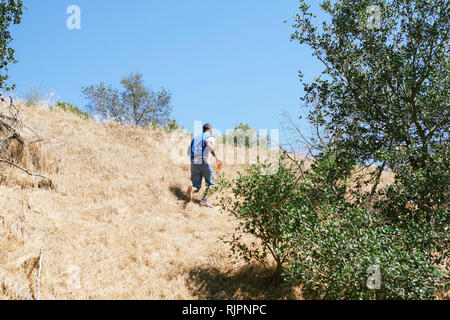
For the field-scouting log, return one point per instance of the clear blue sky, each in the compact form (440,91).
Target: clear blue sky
(224,62)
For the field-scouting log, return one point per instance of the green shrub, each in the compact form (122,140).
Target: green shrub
(328,179)
(418,193)
(334,255)
(335,251)
(263,206)
(419,198)
(329,245)
(172,125)
(69,107)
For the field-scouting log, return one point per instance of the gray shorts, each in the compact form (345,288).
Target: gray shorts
(200,171)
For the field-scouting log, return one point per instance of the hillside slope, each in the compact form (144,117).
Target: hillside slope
(115,225)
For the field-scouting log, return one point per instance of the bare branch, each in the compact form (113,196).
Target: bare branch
(25,170)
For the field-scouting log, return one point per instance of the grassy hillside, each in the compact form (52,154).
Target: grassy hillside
(114,225)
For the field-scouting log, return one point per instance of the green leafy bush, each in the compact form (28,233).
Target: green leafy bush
(329,245)
(68,107)
(335,251)
(328,179)
(172,125)
(418,193)
(419,198)
(334,255)
(263,206)
(362,117)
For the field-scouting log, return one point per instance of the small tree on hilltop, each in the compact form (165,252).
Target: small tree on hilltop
(135,104)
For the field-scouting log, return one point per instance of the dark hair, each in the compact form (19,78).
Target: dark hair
(207,127)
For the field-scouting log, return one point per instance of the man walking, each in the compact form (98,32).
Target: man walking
(200,150)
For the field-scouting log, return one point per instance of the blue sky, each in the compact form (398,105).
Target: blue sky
(224,62)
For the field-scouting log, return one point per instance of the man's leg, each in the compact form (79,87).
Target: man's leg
(204,202)
(190,193)
(196,178)
(208,174)
(205,195)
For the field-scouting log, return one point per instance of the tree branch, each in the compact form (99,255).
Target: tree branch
(25,170)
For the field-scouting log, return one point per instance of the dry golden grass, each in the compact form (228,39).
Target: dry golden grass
(115,225)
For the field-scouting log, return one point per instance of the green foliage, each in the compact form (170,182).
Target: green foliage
(10,13)
(135,104)
(327,180)
(244,135)
(69,107)
(263,206)
(382,99)
(334,255)
(383,91)
(172,125)
(328,246)
(33,96)
(418,192)
(421,197)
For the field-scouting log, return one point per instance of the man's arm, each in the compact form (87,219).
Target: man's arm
(210,146)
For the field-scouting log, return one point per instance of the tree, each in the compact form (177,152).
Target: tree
(381,99)
(10,13)
(383,96)
(11,142)
(135,104)
(242,135)
(265,207)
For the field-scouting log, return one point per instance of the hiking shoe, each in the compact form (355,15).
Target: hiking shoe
(206,204)
(189,194)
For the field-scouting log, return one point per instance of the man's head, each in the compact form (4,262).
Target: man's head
(207,128)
